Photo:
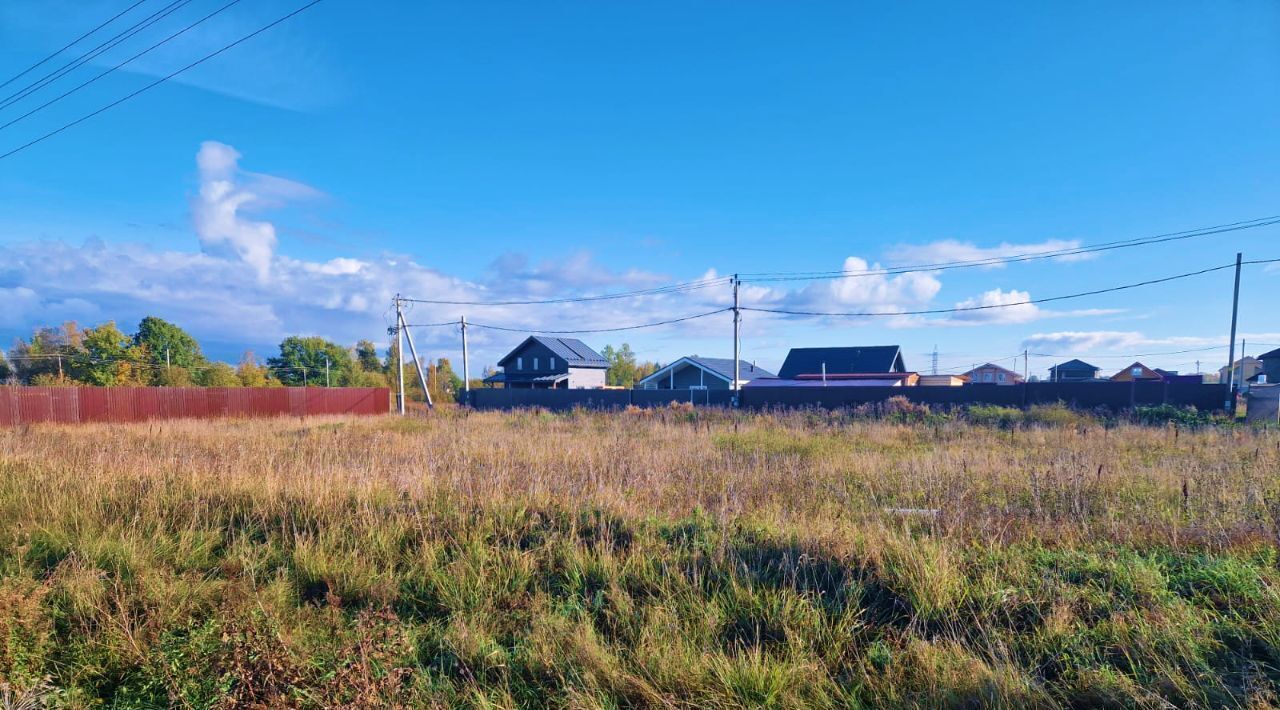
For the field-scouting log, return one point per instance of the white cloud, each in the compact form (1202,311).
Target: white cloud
(998,306)
(950,250)
(215,212)
(871,292)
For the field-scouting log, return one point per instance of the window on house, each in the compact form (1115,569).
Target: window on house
(535,363)
(1137,372)
(1000,376)
(551,363)
(651,385)
(986,376)
(519,363)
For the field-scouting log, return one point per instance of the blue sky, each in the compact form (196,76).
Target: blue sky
(497,150)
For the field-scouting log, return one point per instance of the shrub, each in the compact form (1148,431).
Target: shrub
(994,415)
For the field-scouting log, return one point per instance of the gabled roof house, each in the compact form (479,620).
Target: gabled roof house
(1073,371)
(551,363)
(992,374)
(1138,372)
(1271,365)
(693,372)
(858,366)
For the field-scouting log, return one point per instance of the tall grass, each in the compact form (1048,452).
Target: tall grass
(639,559)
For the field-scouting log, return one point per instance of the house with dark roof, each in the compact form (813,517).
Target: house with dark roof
(859,366)
(1271,365)
(992,374)
(1073,371)
(1244,373)
(542,362)
(701,373)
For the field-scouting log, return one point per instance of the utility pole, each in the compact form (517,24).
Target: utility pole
(466,370)
(1231,355)
(326,370)
(304,376)
(399,356)
(737,320)
(1026,367)
(422,378)
(935,359)
(166,359)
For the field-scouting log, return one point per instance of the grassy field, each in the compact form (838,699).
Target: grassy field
(641,559)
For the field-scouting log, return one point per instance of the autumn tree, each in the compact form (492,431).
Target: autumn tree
(624,370)
(303,360)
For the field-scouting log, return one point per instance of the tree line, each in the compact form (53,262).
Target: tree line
(162,354)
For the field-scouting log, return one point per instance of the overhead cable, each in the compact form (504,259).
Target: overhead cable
(159,81)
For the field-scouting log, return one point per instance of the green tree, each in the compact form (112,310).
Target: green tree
(107,358)
(47,354)
(218,374)
(302,360)
(166,345)
(6,370)
(624,370)
(443,382)
(367,357)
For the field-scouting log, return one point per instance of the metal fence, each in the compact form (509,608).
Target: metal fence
(30,405)
(1084,395)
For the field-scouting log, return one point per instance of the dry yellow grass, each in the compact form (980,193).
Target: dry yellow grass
(639,558)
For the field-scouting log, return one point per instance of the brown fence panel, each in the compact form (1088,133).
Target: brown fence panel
(8,406)
(30,405)
(35,405)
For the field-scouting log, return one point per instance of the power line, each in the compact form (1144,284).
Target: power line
(148,50)
(70,44)
(93,53)
(159,81)
(1016,258)
(1030,301)
(658,290)
(578,331)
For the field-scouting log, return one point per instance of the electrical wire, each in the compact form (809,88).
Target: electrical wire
(144,52)
(159,81)
(1015,258)
(992,306)
(94,53)
(658,290)
(598,330)
(70,44)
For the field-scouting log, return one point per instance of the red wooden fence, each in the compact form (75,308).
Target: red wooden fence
(29,405)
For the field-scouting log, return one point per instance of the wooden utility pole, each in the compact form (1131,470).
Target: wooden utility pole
(1231,355)
(422,377)
(737,320)
(399,356)
(466,369)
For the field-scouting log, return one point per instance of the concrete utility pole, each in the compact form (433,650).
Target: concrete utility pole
(326,371)
(166,359)
(466,370)
(422,377)
(1231,355)
(399,356)
(737,319)
(1026,367)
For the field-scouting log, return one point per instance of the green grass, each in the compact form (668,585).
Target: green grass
(641,559)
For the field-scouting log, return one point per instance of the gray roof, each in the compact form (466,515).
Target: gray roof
(842,361)
(1075,365)
(575,352)
(504,377)
(722,366)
